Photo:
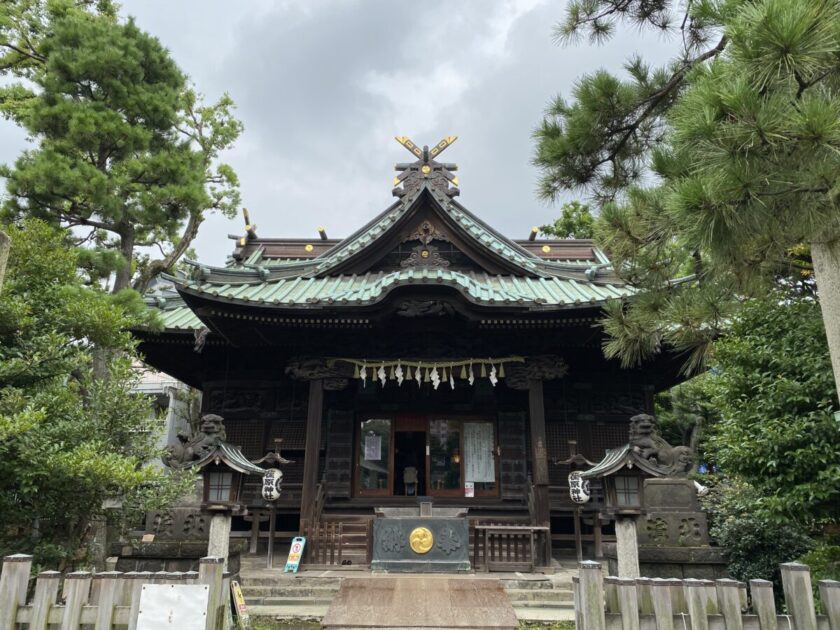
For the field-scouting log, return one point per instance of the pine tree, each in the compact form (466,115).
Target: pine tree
(125,152)
(741,135)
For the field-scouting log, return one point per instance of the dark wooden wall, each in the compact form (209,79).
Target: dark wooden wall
(259,412)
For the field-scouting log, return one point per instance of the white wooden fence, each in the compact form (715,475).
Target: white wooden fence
(96,600)
(660,604)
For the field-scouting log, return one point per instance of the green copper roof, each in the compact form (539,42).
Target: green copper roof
(617,459)
(480,288)
(179,318)
(512,275)
(478,230)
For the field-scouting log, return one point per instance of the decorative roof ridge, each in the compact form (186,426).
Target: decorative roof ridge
(488,228)
(400,204)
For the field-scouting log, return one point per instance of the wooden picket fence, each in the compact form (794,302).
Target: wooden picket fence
(97,600)
(662,604)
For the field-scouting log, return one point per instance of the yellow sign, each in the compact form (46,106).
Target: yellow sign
(421,540)
(239,606)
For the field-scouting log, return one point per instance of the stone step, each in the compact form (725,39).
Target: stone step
(533,584)
(274,580)
(289,612)
(291,591)
(546,605)
(519,595)
(289,601)
(525,613)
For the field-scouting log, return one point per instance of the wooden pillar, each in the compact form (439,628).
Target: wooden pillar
(539,458)
(311,458)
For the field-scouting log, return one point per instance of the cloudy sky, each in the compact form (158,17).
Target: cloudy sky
(323,86)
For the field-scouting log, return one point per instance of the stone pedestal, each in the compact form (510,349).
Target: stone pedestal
(170,555)
(422,544)
(627,547)
(673,535)
(219,540)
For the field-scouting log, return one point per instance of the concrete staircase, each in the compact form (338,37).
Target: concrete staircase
(547,599)
(289,597)
(307,595)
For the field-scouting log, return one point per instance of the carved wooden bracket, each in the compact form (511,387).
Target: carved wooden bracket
(427,232)
(311,368)
(424,256)
(425,308)
(546,367)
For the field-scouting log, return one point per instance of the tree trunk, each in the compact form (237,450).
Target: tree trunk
(826,257)
(123,276)
(156,267)
(5,248)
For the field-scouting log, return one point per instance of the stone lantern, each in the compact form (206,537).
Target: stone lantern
(223,468)
(625,473)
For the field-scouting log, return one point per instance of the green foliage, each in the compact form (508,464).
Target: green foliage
(576,221)
(124,147)
(824,560)
(711,173)
(578,143)
(762,422)
(774,389)
(685,414)
(754,547)
(69,439)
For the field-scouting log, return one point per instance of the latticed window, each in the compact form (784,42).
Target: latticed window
(219,485)
(627,491)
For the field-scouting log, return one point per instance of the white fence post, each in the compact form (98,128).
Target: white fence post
(592,596)
(13,583)
(796,580)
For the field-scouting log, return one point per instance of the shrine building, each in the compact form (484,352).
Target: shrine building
(424,355)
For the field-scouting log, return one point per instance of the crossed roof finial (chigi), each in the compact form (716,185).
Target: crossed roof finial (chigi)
(426,169)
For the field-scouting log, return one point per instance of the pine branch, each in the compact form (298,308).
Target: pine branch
(156,267)
(655,99)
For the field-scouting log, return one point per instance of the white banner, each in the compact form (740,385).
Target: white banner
(479,461)
(373,447)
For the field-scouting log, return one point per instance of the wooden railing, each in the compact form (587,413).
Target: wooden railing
(339,543)
(101,600)
(662,604)
(506,546)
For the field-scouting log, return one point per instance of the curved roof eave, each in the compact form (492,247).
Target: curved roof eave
(372,289)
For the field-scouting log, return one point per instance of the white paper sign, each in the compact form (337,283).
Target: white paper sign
(479,462)
(171,606)
(373,447)
(469,489)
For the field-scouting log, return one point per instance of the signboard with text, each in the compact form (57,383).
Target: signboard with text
(295,554)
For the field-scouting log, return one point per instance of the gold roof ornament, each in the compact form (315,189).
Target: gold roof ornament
(426,170)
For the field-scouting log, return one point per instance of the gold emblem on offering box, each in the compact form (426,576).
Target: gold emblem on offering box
(421,540)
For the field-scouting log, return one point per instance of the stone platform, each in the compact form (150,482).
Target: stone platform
(420,602)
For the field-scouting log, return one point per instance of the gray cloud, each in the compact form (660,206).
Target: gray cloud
(323,86)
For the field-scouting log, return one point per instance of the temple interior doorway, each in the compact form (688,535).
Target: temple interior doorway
(409,463)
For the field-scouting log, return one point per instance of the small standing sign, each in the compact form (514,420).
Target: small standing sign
(295,554)
(239,605)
